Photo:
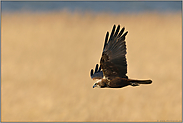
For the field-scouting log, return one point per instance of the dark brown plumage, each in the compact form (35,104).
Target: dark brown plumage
(113,66)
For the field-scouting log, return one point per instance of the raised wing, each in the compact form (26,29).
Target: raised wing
(97,74)
(113,60)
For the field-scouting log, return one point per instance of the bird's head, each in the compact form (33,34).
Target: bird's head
(100,83)
(97,84)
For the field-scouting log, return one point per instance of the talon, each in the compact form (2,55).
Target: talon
(134,84)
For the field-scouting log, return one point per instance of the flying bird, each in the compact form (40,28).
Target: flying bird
(113,65)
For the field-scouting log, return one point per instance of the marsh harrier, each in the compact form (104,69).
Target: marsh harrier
(113,66)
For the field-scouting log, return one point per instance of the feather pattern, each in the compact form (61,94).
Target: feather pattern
(113,60)
(97,74)
(113,65)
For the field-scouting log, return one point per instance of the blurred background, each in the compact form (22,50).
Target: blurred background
(49,48)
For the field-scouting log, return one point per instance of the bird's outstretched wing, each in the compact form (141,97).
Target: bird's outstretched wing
(97,74)
(113,60)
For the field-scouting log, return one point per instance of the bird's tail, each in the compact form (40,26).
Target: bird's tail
(137,82)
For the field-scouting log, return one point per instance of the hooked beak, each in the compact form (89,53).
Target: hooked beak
(94,85)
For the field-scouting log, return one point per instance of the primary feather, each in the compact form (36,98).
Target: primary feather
(113,60)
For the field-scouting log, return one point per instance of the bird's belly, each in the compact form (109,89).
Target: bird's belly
(118,82)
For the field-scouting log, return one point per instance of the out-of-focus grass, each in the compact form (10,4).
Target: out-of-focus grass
(46,60)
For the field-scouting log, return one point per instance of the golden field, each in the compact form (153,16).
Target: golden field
(47,57)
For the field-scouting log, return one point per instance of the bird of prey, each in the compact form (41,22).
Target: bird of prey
(113,65)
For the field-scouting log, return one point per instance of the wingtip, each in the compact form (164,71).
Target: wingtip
(118,26)
(114,27)
(125,33)
(123,28)
(91,73)
(96,68)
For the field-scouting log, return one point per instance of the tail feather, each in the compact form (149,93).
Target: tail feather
(141,81)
